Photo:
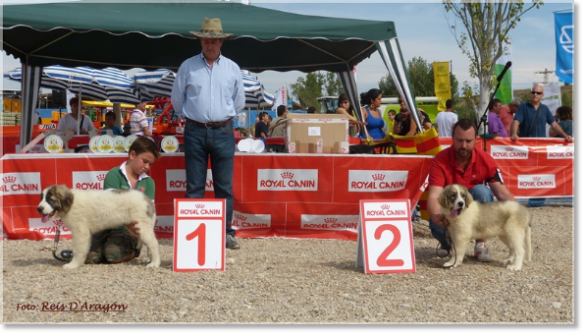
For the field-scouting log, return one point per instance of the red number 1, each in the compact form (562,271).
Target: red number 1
(383,258)
(199,232)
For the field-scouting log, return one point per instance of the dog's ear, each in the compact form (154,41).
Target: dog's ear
(468,198)
(65,197)
(442,199)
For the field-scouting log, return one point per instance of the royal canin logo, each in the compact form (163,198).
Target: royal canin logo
(322,222)
(89,180)
(379,181)
(509,152)
(536,181)
(560,152)
(9,179)
(20,183)
(250,221)
(101,177)
(386,206)
(199,205)
(288,180)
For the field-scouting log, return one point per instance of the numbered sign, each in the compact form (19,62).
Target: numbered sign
(199,235)
(385,237)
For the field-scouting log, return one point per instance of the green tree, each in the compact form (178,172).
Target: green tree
(332,84)
(308,89)
(422,80)
(487,25)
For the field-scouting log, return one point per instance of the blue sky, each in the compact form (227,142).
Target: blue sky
(423,31)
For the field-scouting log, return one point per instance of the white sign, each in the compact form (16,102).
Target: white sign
(199,235)
(385,237)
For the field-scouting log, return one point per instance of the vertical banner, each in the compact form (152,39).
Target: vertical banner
(552,96)
(279,98)
(504,92)
(442,83)
(565,46)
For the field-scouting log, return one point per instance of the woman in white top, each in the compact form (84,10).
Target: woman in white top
(69,121)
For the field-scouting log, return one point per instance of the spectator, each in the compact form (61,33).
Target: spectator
(391,118)
(69,121)
(312,110)
(262,127)
(446,120)
(120,244)
(463,163)
(532,116)
(495,126)
(565,116)
(278,125)
(138,121)
(507,113)
(404,123)
(209,111)
(372,100)
(344,107)
(110,124)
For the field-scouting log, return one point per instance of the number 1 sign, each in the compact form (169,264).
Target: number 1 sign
(199,241)
(385,237)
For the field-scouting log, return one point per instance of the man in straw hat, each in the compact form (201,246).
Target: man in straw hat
(208,93)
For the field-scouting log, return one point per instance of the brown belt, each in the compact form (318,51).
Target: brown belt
(212,125)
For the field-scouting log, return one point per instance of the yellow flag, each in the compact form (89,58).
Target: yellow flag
(442,83)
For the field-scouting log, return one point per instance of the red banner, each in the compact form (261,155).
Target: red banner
(275,195)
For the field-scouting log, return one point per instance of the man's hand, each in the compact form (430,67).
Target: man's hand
(133,228)
(514,137)
(439,220)
(568,138)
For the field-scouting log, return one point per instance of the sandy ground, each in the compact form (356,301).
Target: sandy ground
(284,281)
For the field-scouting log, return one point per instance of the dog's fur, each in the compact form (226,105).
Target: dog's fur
(88,212)
(470,220)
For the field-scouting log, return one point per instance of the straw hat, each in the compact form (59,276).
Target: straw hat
(211,28)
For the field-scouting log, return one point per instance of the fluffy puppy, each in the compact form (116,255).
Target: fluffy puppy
(472,220)
(88,212)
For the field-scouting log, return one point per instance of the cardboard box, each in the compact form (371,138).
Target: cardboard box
(316,133)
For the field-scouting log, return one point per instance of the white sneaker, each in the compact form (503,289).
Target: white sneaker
(481,253)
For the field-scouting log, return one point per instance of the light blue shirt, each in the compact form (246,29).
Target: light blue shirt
(206,94)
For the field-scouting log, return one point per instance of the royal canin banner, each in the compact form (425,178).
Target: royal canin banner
(283,195)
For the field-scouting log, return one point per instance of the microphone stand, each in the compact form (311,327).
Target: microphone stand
(484,118)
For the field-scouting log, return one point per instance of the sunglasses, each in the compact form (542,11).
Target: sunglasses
(537,93)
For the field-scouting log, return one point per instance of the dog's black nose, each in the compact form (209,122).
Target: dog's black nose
(40,209)
(460,203)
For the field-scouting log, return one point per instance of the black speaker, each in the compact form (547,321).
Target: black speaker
(60,98)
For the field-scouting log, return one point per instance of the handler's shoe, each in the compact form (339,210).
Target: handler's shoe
(481,253)
(231,243)
(444,252)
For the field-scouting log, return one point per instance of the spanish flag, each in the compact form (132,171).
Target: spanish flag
(426,143)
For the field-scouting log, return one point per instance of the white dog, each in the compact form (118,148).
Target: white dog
(471,220)
(88,212)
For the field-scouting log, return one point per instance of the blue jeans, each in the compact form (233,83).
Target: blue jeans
(219,146)
(479,193)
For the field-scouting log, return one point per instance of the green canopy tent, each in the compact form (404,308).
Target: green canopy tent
(150,35)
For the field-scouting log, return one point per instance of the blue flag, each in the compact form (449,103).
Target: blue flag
(565,46)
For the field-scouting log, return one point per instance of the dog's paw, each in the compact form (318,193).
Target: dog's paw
(448,265)
(514,267)
(70,266)
(153,265)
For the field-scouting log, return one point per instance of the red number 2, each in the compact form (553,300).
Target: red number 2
(383,259)
(199,232)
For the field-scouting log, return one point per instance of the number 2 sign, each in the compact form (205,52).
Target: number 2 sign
(385,237)
(199,241)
